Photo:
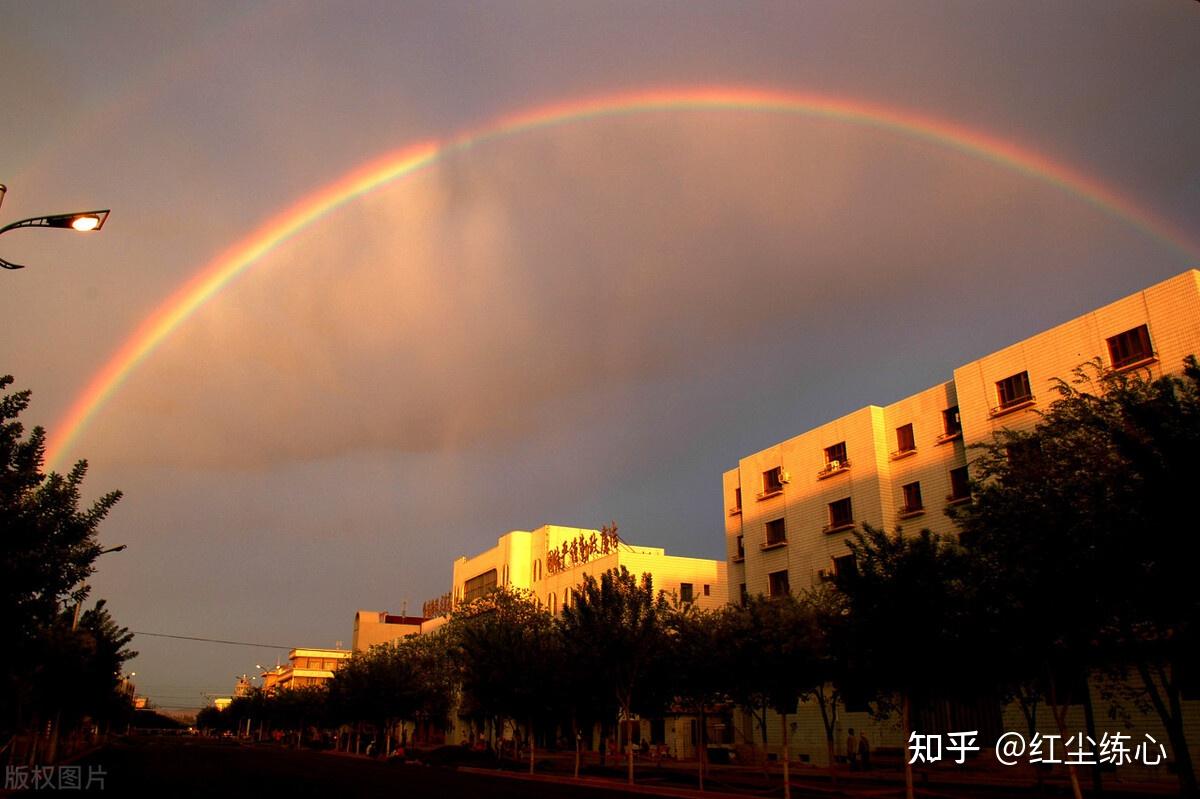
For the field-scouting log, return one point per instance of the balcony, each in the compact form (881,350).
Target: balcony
(735,510)
(765,545)
(837,527)
(908,512)
(1017,404)
(956,499)
(1136,362)
(832,468)
(902,453)
(946,438)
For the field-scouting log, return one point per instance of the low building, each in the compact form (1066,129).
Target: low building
(552,561)
(306,667)
(372,628)
(244,686)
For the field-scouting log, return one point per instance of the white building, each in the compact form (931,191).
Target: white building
(791,507)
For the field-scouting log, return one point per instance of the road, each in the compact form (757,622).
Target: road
(202,767)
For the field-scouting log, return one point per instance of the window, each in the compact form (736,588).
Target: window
(835,460)
(1013,390)
(905,441)
(479,586)
(742,594)
(537,569)
(841,514)
(836,454)
(1130,347)
(845,566)
(777,583)
(951,422)
(912,498)
(776,532)
(773,481)
(960,484)
(707,589)
(737,498)
(741,548)
(685,592)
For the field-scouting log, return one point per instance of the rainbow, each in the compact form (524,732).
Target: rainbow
(215,275)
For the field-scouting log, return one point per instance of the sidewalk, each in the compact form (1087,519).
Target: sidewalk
(679,779)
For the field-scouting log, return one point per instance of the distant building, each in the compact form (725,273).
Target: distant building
(552,561)
(379,627)
(244,686)
(306,667)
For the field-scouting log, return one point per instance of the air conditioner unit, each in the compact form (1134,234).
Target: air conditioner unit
(785,476)
(833,466)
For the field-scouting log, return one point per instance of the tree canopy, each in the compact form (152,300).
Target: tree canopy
(1090,513)
(48,549)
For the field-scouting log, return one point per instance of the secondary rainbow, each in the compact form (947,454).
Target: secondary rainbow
(210,279)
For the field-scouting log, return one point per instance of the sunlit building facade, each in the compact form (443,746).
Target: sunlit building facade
(552,561)
(373,627)
(305,668)
(790,508)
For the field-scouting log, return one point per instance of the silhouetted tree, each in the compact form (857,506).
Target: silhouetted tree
(907,611)
(48,547)
(786,641)
(619,621)
(701,659)
(1087,511)
(509,659)
(821,660)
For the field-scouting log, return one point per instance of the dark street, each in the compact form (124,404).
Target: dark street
(205,767)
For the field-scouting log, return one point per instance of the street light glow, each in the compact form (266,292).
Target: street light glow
(83,221)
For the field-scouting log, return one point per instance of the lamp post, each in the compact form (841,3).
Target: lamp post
(83,221)
(120,548)
(52,750)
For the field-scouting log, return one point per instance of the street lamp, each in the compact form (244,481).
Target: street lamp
(83,221)
(52,752)
(118,548)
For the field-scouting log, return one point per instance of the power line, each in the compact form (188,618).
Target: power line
(214,640)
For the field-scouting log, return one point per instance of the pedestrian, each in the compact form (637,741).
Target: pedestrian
(864,753)
(852,750)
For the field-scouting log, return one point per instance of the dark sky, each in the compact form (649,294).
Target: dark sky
(570,325)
